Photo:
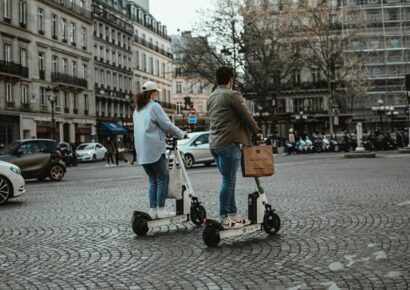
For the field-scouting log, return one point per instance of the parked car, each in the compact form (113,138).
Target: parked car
(196,149)
(11,182)
(37,158)
(91,152)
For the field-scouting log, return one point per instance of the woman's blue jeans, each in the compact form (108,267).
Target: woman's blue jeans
(158,181)
(227,159)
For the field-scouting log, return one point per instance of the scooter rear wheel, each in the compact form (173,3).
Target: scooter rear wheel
(211,235)
(198,214)
(139,225)
(271,223)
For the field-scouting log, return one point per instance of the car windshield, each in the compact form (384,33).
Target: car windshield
(9,148)
(86,147)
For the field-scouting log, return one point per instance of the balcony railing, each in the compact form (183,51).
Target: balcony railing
(25,107)
(73,7)
(68,79)
(13,69)
(152,46)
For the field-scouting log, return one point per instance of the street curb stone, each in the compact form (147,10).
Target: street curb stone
(360,154)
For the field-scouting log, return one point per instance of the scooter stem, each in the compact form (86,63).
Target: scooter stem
(259,185)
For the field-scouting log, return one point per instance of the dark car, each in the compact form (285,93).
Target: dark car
(37,158)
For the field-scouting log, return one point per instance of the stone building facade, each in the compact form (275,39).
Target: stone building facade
(47,53)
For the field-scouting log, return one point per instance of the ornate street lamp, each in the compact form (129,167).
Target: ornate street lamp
(379,110)
(393,115)
(52,99)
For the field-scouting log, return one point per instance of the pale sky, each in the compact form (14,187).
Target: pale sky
(177,13)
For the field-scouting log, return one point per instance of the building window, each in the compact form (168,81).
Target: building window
(9,92)
(296,77)
(66,100)
(54,64)
(23,57)
(315,75)
(24,96)
(43,98)
(22,13)
(179,88)
(54,26)
(75,102)
(40,21)
(163,70)
(74,66)
(64,29)
(86,103)
(83,37)
(7,53)
(65,65)
(6,9)
(84,71)
(151,65)
(72,33)
(41,65)
(144,62)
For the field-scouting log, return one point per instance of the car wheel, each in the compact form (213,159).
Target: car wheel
(189,160)
(5,189)
(56,172)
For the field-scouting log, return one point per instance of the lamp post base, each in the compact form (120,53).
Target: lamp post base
(360,152)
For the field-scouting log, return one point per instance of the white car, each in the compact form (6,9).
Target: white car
(195,149)
(11,182)
(91,152)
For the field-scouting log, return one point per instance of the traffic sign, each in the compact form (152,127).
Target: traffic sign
(192,119)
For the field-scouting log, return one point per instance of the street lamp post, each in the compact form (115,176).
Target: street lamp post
(52,98)
(379,110)
(393,115)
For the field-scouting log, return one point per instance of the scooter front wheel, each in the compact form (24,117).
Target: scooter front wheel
(211,235)
(198,214)
(271,223)
(139,225)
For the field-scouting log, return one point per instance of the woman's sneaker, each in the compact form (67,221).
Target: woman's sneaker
(162,212)
(228,223)
(237,218)
(153,213)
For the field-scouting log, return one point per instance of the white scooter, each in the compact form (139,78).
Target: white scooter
(187,208)
(260,215)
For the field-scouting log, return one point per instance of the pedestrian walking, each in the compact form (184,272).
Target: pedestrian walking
(150,125)
(109,145)
(231,124)
(120,153)
(292,141)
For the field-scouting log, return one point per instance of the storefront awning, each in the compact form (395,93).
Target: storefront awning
(111,128)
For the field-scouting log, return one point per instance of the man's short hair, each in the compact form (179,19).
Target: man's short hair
(223,75)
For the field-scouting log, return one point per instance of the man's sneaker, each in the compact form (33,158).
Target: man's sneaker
(107,165)
(164,213)
(228,223)
(237,218)
(153,213)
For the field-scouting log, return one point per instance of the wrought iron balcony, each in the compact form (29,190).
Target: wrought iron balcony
(77,9)
(13,69)
(68,79)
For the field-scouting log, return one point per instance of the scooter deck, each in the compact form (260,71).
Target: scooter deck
(246,229)
(168,220)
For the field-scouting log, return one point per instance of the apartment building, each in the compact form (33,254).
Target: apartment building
(153,59)
(190,94)
(113,70)
(46,57)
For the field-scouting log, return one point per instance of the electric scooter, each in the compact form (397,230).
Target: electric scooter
(187,208)
(261,215)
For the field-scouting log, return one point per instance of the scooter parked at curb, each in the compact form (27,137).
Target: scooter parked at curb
(261,215)
(188,208)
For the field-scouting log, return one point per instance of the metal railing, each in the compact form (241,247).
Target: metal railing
(13,68)
(68,79)
(73,7)
(152,46)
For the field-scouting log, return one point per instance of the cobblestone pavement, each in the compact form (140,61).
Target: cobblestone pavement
(345,224)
